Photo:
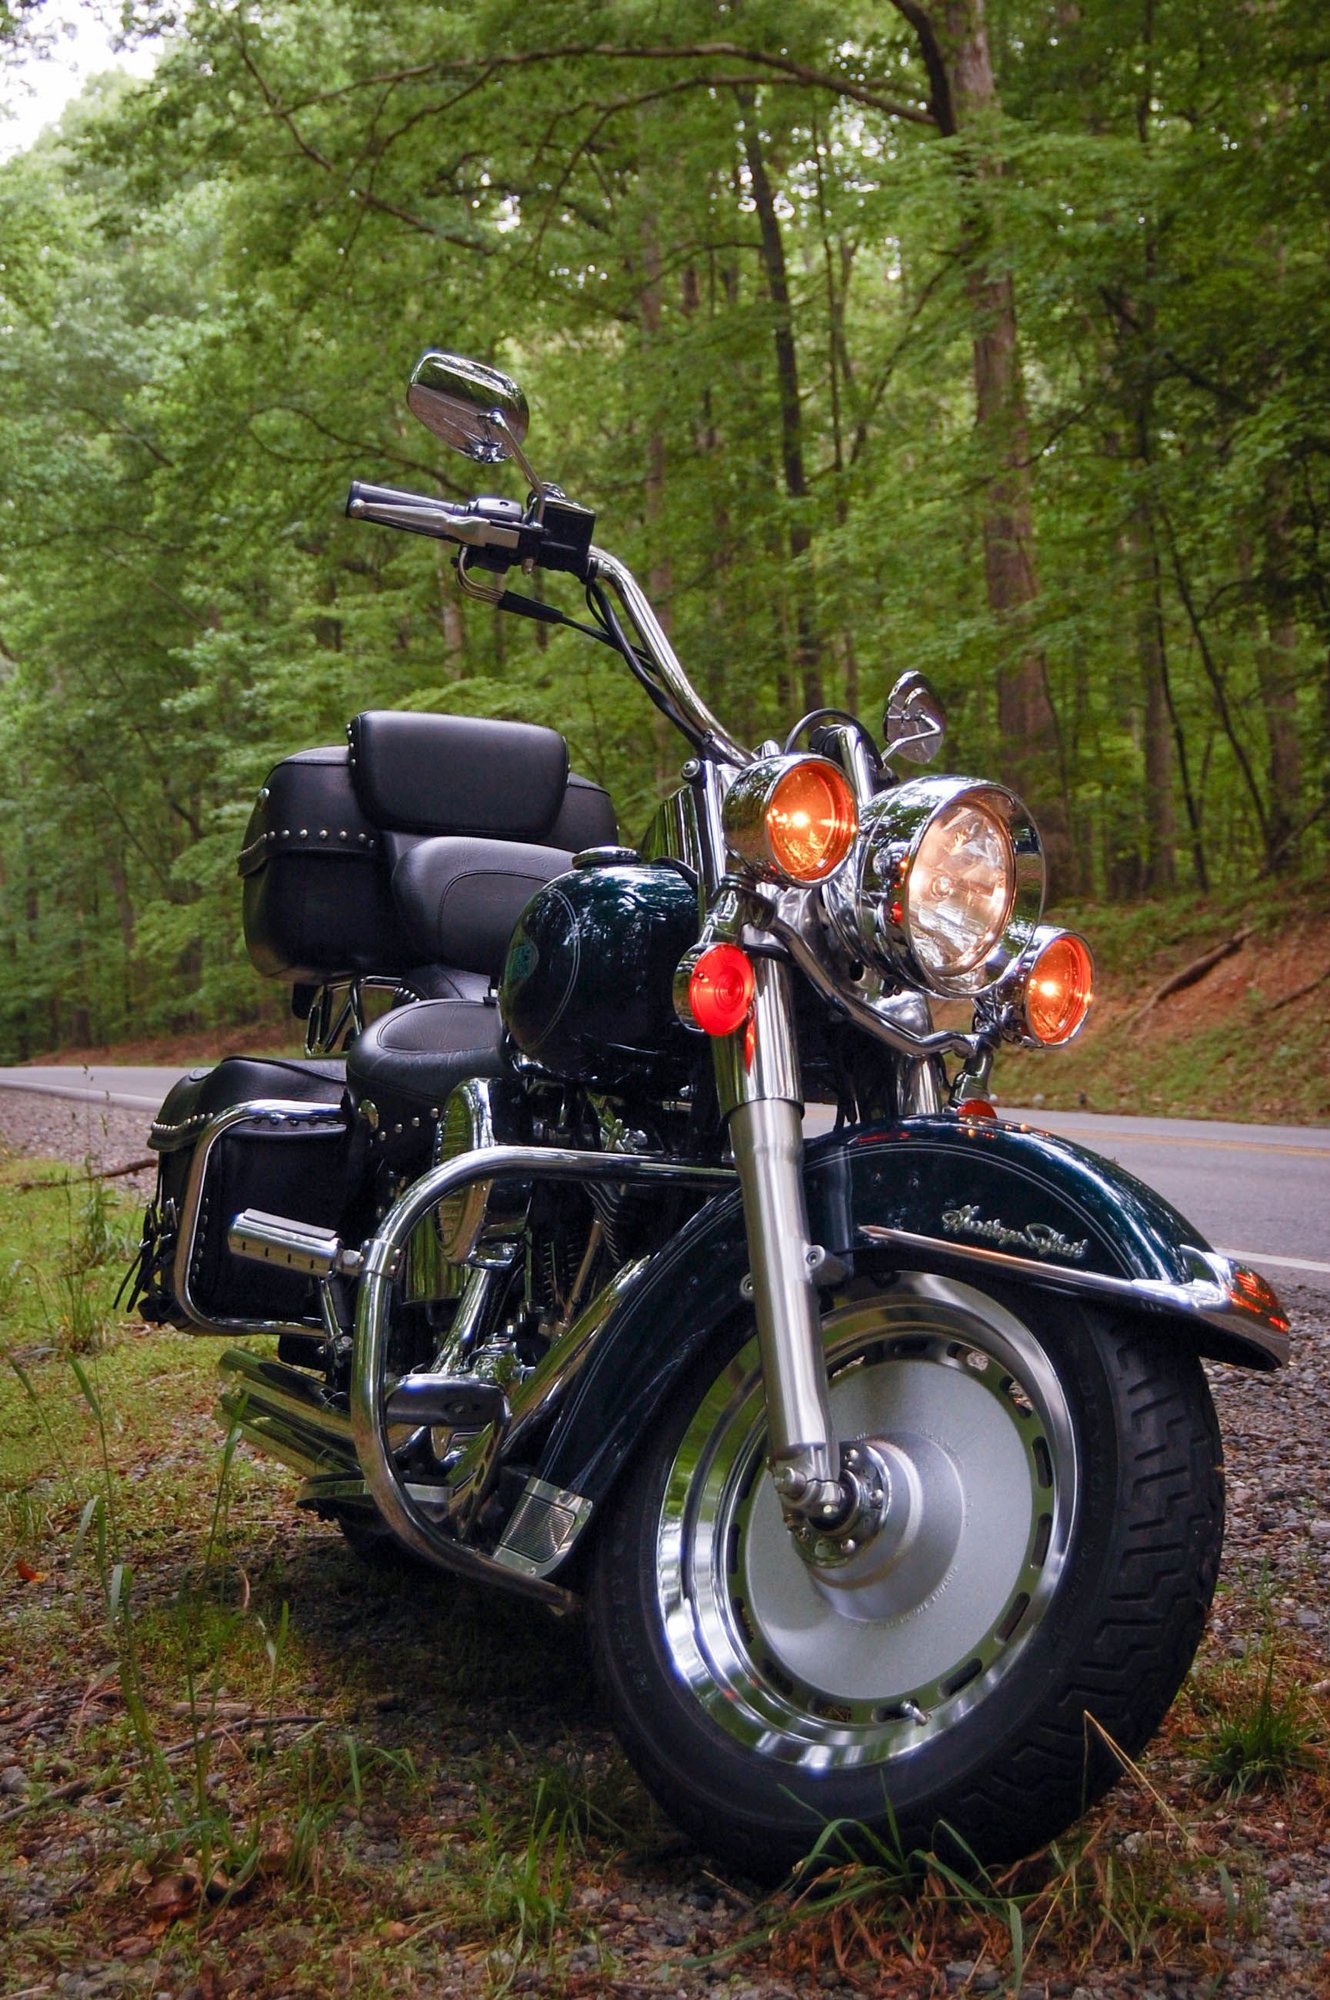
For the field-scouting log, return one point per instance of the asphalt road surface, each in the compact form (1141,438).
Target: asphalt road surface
(1260,1191)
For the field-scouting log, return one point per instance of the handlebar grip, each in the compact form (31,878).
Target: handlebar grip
(491,526)
(421,513)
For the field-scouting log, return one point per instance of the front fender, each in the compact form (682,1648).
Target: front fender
(940,1194)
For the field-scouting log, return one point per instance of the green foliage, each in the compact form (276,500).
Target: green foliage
(214,285)
(529,1879)
(69,1242)
(1135,1878)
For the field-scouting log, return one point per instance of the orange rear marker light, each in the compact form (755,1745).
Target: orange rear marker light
(721,989)
(1248,1288)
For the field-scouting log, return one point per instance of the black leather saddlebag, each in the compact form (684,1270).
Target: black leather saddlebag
(301,1171)
(318,902)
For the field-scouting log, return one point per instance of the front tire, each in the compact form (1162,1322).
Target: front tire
(1058,1494)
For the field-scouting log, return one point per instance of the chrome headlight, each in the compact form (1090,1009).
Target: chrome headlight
(945,884)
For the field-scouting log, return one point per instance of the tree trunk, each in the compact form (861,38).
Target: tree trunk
(953,39)
(660,574)
(837,262)
(1276,662)
(1140,544)
(1152,660)
(807,668)
(1136,329)
(115,868)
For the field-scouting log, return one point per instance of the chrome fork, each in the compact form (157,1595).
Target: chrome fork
(757,1078)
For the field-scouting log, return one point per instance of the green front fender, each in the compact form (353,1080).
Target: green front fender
(957,1197)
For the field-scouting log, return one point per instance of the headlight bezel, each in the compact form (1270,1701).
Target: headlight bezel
(870,900)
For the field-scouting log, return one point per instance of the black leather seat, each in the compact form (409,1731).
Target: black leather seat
(400,1071)
(459,897)
(331,826)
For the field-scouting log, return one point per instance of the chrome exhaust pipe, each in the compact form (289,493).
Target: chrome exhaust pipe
(287,1414)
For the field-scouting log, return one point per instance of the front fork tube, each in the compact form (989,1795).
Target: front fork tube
(757,1075)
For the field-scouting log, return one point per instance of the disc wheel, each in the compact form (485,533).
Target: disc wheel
(1033,1589)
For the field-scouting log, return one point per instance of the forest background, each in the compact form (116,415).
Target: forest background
(988,337)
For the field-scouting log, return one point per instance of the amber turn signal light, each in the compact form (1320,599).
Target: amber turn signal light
(811,820)
(792,819)
(1249,1289)
(1058,988)
(721,987)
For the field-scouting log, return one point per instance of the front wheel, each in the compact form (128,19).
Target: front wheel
(1035,1595)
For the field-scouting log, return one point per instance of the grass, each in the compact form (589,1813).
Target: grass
(247,1758)
(1137,1885)
(1258,1739)
(63,1262)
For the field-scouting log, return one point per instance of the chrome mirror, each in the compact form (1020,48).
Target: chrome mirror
(477,410)
(913,723)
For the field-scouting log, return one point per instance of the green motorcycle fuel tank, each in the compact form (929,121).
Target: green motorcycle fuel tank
(587,985)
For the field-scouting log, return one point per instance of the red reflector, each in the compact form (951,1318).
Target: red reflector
(975,1107)
(721,989)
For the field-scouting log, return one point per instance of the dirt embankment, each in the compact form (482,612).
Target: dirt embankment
(1178,1030)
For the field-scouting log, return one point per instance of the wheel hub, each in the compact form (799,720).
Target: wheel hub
(900,1540)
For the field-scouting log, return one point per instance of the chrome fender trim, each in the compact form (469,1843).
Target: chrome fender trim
(1039,1208)
(1100,1233)
(1213,1295)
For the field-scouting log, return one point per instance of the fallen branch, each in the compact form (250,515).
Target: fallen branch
(95,1174)
(1298,992)
(1177,982)
(234,1723)
(78,1787)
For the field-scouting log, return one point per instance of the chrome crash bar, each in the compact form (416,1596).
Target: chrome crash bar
(382,1256)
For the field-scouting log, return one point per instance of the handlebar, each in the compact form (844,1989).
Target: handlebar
(559,538)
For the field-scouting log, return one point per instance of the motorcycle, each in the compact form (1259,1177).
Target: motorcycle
(881,1461)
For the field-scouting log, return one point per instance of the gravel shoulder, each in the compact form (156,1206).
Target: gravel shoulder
(653,1912)
(105,1136)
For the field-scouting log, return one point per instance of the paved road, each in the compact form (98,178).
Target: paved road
(140,1089)
(1262,1191)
